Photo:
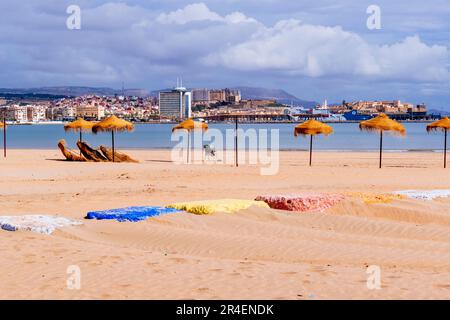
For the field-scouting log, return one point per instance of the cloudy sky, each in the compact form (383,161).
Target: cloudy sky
(315,49)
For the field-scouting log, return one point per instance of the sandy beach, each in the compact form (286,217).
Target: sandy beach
(254,254)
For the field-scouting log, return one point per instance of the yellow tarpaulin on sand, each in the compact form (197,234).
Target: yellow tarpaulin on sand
(213,206)
(372,198)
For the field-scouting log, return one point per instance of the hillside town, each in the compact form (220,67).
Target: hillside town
(208,104)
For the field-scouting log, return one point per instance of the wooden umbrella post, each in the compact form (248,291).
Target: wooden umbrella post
(236,142)
(81,138)
(113,155)
(445,148)
(381,145)
(188,145)
(4,136)
(312,128)
(189,126)
(382,123)
(113,124)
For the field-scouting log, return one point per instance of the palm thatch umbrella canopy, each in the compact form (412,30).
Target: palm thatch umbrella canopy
(444,125)
(312,127)
(382,123)
(80,125)
(113,124)
(189,125)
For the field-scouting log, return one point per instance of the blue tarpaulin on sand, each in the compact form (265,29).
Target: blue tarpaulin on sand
(133,214)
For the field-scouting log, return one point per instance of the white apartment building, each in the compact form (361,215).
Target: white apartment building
(69,112)
(89,111)
(17,113)
(36,113)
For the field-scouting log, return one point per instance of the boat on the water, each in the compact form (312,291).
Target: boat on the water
(354,115)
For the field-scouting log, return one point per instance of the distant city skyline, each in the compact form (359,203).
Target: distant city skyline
(315,50)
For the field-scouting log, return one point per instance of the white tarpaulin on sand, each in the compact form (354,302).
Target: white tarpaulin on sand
(35,223)
(425,194)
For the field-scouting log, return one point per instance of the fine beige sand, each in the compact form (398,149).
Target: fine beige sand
(255,254)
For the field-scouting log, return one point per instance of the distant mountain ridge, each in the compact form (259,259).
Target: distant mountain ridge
(441,112)
(255,93)
(74,91)
(280,95)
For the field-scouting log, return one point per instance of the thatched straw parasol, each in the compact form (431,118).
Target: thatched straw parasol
(444,125)
(80,125)
(190,125)
(312,127)
(113,124)
(382,123)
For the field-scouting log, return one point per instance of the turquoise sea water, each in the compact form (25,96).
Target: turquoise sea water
(347,136)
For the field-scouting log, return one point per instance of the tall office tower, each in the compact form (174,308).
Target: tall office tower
(176,103)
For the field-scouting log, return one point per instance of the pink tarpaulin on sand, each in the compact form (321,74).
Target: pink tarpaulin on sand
(301,202)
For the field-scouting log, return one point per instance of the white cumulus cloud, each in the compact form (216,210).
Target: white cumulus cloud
(200,12)
(291,47)
(192,12)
